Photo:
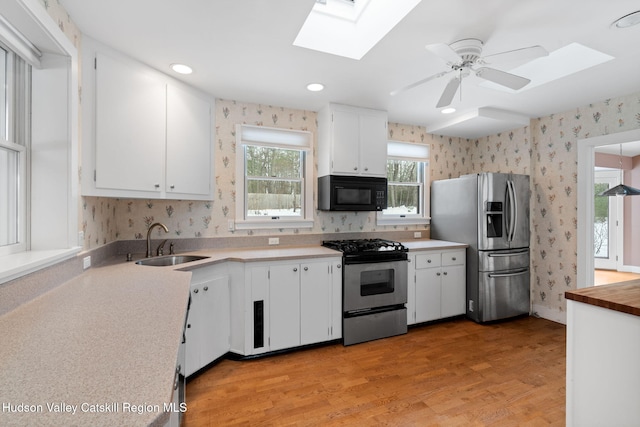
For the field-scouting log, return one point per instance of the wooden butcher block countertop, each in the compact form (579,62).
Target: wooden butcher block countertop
(623,297)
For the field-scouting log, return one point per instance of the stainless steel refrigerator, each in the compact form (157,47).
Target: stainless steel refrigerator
(489,212)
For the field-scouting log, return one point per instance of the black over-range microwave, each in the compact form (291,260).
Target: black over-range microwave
(352,193)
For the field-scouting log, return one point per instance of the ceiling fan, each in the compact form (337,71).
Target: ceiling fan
(463,58)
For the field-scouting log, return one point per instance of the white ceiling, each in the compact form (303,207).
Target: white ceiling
(242,50)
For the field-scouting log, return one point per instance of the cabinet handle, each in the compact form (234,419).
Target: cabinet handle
(195,291)
(453,258)
(188,325)
(206,288)
(295,269)
(445,273)
(172,187)
(355,168)
(156,185)
(428,261)
(366,169)
(306,269)
(437,274)
(339,266)
(409,260)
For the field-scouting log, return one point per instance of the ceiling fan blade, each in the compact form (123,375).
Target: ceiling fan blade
(524,54)
(502,78)
(445,52)
(419,82)
(449,92)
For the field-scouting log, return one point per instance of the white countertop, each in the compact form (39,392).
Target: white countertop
(417,245)
(105,344)
(107,339)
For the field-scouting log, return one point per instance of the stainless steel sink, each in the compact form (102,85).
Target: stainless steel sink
(163,261)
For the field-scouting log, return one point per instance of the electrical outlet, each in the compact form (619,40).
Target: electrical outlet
(274,240)
(80,238)
(86,262)
(231,224)
(417,234)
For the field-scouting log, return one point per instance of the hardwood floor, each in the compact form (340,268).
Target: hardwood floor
(455,373)
(605,277)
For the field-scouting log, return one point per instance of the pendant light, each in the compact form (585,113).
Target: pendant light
(620,189)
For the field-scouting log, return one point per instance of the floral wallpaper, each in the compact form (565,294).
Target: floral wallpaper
(546,150)
(128,219)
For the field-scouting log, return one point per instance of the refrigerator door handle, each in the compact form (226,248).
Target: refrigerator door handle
(515,253)
(515,273)
(513,213)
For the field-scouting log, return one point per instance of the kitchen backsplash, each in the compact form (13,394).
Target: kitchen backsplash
(547,150)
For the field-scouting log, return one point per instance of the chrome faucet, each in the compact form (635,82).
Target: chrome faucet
(151,227)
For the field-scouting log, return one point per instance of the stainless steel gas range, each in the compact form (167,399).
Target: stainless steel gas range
(374,288)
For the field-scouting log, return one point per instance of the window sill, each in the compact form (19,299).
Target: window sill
(402,221)
(273,224)
(20,264)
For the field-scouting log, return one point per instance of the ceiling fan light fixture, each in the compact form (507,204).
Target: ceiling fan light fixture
(628,20)
(448,110)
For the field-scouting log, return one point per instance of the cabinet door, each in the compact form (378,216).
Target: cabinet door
(454,290)
(188,143)
(373,144)
(315,302)
(336,299)
(284,306)
(258,308)
(192,334)
(130,127)
(411,290)
(428,285)
(216,319)
(346,137)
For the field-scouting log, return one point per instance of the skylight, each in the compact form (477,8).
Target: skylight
(351,28)
(560,63)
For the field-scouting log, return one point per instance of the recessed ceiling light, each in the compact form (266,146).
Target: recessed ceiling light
(181,68)
(315,87)
(628,20)
(448,110)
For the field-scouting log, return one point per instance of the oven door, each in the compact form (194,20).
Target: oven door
(374,284)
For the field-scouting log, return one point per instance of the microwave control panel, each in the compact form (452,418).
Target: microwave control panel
(381,199)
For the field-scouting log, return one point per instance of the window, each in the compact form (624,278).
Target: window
(38,142)
(408,184)
(14,107)
(276,189)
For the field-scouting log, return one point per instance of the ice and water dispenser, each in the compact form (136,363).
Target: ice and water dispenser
(494,219)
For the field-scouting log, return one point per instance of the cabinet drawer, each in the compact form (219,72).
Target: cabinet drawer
(454,257)
(428,260)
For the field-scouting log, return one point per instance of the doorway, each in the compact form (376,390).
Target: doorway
(586,208)
(607,225)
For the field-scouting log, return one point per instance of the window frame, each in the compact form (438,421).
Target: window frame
(399,150)
(51,160)
(263,136)
(16,129)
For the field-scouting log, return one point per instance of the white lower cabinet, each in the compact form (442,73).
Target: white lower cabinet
(291,304)
(437,285)
(208,322)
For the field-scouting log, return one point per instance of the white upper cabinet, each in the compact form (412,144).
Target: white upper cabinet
(189,154)
(130,126)
(352,141)
(146,135)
